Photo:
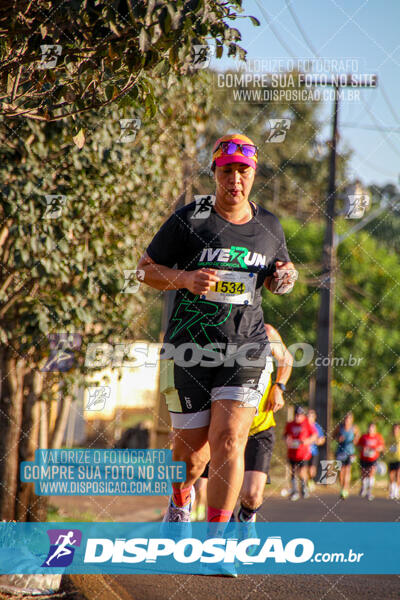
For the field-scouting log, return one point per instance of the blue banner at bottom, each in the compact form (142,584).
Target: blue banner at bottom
(200,548)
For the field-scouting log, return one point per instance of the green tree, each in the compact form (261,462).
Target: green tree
(386,227)
(65,58)
(90,64)
(64,272)
(366,333)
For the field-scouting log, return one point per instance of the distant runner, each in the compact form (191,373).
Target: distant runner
(320,441)
(299,435)
(346,434)
(371,445)
(393,456)
(214,375)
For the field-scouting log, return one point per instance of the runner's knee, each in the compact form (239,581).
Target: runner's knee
(195,459)
(195,463)
(227,441)
(252,498)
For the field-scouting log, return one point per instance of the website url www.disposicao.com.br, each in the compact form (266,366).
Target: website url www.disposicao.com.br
(212,551)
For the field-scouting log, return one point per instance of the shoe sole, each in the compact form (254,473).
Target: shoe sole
(230,575)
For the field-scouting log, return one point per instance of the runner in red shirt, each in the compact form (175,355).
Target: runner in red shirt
(299,435)
(371,445)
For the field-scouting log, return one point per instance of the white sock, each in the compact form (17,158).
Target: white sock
(396,491)
(392,489)
(364,484)
(371,481)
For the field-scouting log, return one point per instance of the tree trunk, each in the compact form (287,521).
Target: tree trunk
(11,403)
(38,504)
(61,421)
(29,506)
(28,444)
(24,427)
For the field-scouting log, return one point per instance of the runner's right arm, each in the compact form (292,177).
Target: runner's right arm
(336,435)
(161,277)
(313,437)
(287,435)
(164,251)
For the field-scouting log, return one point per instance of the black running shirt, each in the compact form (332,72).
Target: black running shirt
(213,242)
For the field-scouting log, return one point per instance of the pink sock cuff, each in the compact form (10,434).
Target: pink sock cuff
(181,497)
(218,515)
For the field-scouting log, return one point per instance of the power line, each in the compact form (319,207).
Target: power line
(366,107)
(378,127)
(382,133)
(276,34)
(369,127)
(390,105)
(301,30)
(371,165)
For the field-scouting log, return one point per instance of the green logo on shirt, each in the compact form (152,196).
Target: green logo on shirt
(233,257)
(190,314)
(239,252)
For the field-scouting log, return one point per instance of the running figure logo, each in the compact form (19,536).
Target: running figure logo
(55,205)
(98,397)
(62,351)
(129,129)
(357,204)
(132,278)
(203,208)
(50,55)
(201,55)
(278,131)
(61,552)
(329,471)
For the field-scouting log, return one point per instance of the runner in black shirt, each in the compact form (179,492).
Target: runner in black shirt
(218,252)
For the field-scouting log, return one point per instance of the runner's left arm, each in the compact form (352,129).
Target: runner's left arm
(283,279)
(357,434)
(312,438)
(284,367)
(320,441)
(282,274)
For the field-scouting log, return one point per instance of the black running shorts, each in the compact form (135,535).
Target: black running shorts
(394,466)
(258,451)
(366,465)
(190,391)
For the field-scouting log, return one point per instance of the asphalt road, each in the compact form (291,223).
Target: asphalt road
(329,507)
(245,587)
(321,507)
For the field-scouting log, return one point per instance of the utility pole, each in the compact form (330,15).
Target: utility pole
(323,390)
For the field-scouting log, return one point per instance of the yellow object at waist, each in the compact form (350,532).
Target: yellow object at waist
(393,452)
(264,418)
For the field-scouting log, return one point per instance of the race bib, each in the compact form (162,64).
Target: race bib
(293,444)
(369,452)
(234,287)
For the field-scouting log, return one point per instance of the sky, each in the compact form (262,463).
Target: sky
(363,32)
